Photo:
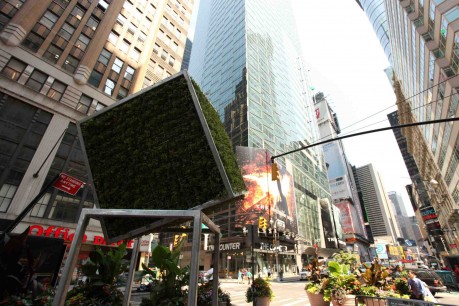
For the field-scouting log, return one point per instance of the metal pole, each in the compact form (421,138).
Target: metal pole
(195,245)
(215,271)
(64,282)
(253,260)
(128,287)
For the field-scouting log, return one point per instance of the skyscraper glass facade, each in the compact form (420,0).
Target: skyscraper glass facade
(252,74)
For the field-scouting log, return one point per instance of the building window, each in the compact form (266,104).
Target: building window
(76,15)
(124,46)
(14,69)
(39,32)
(164,54)
(33,41)
(6,195)
(95,78)
(117,65)
(37,80)
(92,23)
(175,46)
(84,104)
(156,48)
(71,63)
(178,33)
(40,208)
(22,129)
(109,86)
(171,61)
(121,19)
(49,19)
(103,5)
(142,37)
(135,54)
(122,93)
(57,90)
(53,53)
(100,106)
(105,56)
(66,31)
(82,42)
(129,73)
(113,38)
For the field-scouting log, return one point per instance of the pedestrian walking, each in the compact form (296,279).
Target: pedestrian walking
(269,272)
(281,274)
(239,276)
(416,286)
(249,276)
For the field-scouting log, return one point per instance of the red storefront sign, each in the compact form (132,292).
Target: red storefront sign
(63,232)
(68,184)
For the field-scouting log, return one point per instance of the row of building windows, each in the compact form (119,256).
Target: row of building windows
(37,80)
(118,68)
(9,8)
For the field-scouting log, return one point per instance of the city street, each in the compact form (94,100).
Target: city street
(290,292)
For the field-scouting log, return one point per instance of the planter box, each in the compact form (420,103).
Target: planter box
(316,299)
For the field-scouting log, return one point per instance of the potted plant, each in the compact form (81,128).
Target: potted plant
(315,293)
(205,295)
(341,286)
(168,288)
(260,291)
(102,270)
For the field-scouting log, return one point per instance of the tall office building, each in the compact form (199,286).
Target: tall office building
(425,64)
(61,60)
(341,180)
(403,220)
(246,59)
(380,214)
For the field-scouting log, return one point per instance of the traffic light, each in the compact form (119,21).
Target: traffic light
(274,172)
(176,240)
(262,223)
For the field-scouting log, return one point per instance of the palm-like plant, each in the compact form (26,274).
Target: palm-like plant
(171,277)
(102,270)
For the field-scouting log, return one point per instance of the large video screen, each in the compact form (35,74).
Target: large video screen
(273,200)
(162,148)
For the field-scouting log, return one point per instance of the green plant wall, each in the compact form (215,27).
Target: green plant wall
(151,152)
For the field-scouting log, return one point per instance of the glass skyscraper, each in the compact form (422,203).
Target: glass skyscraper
(246,58)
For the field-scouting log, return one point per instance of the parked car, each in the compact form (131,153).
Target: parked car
(305,274)
(432,279)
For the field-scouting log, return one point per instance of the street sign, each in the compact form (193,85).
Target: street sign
(68,184)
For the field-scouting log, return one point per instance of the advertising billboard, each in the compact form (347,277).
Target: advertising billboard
(340,188)
(273,200)
(326,217)
(161,148)
(334,159)
(430,218)
(345,217)
(381,251)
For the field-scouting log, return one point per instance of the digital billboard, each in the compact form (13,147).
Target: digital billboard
(162,148)
(431,221)
(334,159)
(326,216)
(345,217)
(270,199)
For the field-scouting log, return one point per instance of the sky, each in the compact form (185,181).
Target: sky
(346,62)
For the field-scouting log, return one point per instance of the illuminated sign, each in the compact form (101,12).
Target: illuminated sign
(64,233)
